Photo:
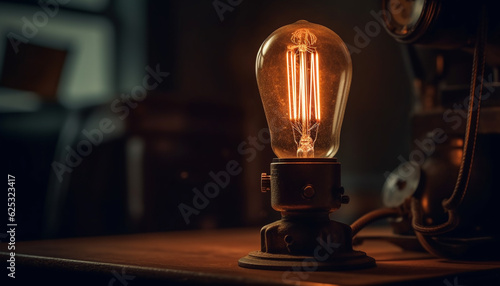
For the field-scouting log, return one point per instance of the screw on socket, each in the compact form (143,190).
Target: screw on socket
(308,192)
(265,183)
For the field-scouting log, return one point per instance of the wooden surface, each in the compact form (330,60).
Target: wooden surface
(210,257)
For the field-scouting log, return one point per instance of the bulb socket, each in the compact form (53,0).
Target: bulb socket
(311,184)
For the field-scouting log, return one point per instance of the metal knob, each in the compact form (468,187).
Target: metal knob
(308,192)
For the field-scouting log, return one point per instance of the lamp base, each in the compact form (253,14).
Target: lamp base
(308,241)
(306,191)
(269,261)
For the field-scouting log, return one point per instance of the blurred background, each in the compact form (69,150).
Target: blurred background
(112,112)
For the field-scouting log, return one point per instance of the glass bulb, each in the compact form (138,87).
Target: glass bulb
(304,74)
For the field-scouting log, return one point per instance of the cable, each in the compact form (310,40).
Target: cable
(373,216)
(451,204)
(472,119)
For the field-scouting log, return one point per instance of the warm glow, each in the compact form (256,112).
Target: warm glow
(304,107)
(456,153)
(304,73)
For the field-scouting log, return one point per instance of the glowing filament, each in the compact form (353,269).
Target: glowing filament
(304,105)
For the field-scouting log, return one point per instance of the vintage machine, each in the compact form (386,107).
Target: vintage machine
(447,192)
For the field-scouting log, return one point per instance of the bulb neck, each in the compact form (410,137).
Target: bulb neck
(306,147)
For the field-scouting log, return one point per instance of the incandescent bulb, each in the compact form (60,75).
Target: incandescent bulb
(304,73)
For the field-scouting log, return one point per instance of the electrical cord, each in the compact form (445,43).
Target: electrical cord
(451,204)
(372,216)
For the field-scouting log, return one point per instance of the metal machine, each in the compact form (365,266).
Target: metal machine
(448,191)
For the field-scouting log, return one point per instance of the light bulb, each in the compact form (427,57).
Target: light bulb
(304,74)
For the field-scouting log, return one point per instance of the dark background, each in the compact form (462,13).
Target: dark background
(67,77)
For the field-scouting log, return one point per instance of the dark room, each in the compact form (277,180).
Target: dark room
(250,142)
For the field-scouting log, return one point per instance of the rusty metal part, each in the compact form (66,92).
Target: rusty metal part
(305,191)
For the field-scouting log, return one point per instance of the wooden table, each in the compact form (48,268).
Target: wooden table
(210,257)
